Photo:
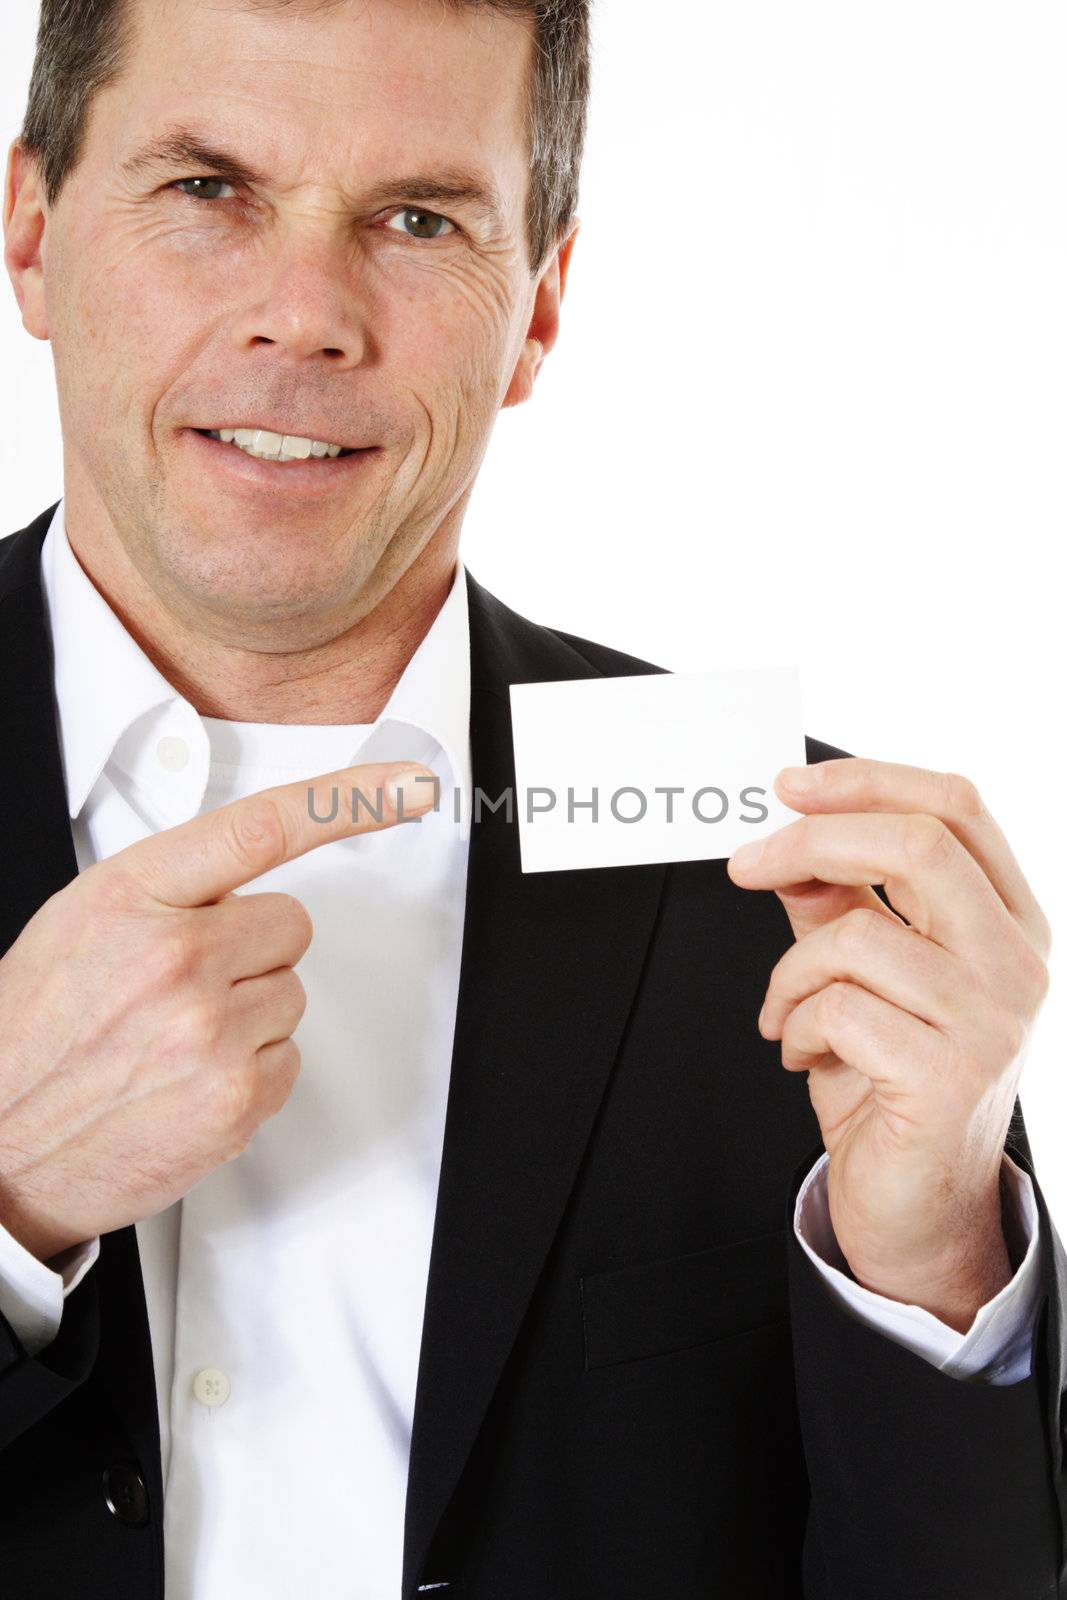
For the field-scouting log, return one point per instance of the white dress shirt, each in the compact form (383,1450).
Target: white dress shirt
(285,1292)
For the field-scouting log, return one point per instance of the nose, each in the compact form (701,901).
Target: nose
(309,303)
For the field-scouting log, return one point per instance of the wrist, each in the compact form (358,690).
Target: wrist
(965,1275)
(953,1297)
(45,1244)
(64,1259)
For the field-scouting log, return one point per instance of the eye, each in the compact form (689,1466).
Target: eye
(425,224)
(206,184)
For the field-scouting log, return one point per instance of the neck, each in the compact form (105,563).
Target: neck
(344,679)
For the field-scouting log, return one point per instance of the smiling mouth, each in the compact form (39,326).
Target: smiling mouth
(267,446)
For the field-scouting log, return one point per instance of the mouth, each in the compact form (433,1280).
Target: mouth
(258,459)
(268,446)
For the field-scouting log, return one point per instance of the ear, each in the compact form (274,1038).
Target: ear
(544,321)
(24,226)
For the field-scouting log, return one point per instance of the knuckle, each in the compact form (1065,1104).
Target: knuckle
(927,841)
(856,930)
(1035,972)
(201,1026)
(795,1053)
(1014,1032)
(1044,983)
(834,1002)
(298,994)
(961,797)
(171,957)
(236,1145)
(233,1102)
(255,836)
(300,919)
(279,1081)
(286,996)
(290,1054)
(864,775)
(288,1069)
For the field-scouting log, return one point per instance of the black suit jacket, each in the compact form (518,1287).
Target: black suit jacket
(633,1384)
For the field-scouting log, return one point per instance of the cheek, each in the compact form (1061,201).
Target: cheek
(453,342)
(128,313)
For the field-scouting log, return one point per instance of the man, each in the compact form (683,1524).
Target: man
(527,1272)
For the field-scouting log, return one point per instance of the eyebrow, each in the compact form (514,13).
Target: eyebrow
(184,147)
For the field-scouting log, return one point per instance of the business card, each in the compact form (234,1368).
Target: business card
(670,766)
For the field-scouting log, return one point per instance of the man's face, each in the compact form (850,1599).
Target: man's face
(325,297)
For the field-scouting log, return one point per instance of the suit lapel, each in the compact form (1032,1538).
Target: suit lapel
(549,966)
(35,831)
(38,860)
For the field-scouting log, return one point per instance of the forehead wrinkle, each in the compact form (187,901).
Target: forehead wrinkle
(424,111)
(371,85)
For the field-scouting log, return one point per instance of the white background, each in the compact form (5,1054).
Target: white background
(809,401)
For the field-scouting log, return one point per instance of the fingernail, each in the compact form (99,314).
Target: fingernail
(798,778)
(408,796)
(747,854)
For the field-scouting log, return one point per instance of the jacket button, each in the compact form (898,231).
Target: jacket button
(126,1495)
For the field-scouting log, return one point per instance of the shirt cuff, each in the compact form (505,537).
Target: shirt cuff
(996,1347)
(32,1292)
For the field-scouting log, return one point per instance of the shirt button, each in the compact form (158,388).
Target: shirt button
(211,1387)
(173,753)
(126,1495)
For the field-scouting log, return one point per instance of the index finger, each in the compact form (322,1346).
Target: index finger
(201,860)
(853,783)
(929,877)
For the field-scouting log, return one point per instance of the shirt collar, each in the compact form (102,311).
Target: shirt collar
(104,681)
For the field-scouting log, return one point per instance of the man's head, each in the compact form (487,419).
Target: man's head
(344,220)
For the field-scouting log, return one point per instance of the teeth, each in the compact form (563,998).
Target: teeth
(266,443)
(269,446)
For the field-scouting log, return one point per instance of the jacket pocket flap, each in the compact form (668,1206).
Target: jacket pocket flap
(657,1306)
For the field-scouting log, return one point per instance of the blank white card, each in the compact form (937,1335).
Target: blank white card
(659,767)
